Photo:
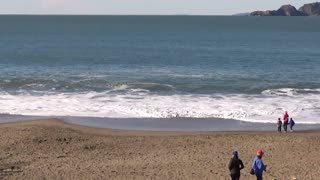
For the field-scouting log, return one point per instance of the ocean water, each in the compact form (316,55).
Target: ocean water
(243,68)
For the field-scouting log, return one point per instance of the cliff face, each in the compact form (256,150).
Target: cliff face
(288,10)
(312,9)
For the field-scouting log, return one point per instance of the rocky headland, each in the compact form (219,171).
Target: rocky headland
(311,9)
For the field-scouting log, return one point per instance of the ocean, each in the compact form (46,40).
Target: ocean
(241,68)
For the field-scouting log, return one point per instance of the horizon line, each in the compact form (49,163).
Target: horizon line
(26,14)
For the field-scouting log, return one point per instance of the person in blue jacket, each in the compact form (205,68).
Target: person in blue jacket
(258,166)
(291,124)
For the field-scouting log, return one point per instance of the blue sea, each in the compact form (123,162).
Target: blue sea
(242,68)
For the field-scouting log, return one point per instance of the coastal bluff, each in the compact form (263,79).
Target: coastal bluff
(311,9)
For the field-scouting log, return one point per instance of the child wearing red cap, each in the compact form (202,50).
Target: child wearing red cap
(258,165)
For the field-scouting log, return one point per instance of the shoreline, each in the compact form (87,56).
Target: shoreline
(65,123)
(164,124)
(53,149)
(110,131)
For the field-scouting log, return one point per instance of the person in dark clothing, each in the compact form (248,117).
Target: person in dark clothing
(279,124)
(235,165)
(291,124)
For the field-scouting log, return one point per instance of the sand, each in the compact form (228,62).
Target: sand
(51,149)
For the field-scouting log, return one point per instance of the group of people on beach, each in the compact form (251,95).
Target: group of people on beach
(258,167)
(285,123)
(235,165)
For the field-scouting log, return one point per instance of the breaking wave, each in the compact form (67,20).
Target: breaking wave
(302,104)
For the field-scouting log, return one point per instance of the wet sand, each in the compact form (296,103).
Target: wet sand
(51,149)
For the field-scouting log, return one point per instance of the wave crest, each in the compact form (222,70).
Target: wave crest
(302,104)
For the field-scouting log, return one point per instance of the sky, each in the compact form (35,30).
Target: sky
(142,7)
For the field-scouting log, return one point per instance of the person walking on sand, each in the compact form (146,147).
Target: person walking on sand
(279,124)
(258,166)
(291,124)
(235,165)
(285,121)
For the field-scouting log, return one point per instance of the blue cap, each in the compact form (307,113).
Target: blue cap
(235,153)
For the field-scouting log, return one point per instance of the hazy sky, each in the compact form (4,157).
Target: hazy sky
(165,7)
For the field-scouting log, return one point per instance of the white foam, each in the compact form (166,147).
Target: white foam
(120,87)
(290,92)
(139,87)
(267,107)
(188,75)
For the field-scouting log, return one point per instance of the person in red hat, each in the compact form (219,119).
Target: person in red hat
(235,165)
(258,165)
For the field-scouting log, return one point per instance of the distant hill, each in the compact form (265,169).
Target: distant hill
(312,9)
(242,14)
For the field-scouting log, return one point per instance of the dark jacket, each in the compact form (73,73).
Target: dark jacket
(235,165)
(279,123)
(291,123)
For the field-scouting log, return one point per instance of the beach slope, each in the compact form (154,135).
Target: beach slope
(51,149)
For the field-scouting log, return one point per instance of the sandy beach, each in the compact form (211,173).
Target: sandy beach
(51,149)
